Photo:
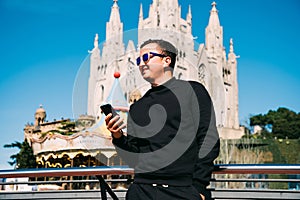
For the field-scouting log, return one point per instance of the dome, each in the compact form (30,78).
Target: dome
(40,110)
(40,115)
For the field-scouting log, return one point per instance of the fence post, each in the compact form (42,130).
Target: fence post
(105,187)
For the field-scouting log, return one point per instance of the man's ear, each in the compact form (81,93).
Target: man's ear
(167,61)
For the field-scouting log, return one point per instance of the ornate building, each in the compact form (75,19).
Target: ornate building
(207,63)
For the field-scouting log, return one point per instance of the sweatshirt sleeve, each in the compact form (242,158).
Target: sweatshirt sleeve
(207,139)
(128,146)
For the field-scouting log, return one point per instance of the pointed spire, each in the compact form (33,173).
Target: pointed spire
(214,4)
(141,17)
(214,18)
(231,46)
(190,11)
(189,16)
(115,14)
(96,42)
(141,11)
(95,51)
(231,55)
(214,38)
(114,31)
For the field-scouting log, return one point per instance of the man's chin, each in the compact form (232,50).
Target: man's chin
(147,78)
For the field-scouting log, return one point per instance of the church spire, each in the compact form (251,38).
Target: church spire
(114,26)
(189,15)
(214,34)
(214,18)
(114,34)
(96,41)
(231,46)
(115,14)
(189,20)
(141,11)
(141,17)
(231,55)
(231,79)
(95,52)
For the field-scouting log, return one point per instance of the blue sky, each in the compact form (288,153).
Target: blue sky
(44,42)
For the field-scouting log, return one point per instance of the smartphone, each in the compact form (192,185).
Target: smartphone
(107,108)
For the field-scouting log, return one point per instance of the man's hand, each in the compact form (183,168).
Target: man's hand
(115,125)
(202,197)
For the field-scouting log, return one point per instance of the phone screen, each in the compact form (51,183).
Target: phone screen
(107,108)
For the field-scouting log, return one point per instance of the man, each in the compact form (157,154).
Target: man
(171,138)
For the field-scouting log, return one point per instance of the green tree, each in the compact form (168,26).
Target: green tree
(25,158)
(281,123)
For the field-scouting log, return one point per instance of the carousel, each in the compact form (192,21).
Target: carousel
(84,142)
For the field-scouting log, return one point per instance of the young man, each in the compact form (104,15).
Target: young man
(171,139)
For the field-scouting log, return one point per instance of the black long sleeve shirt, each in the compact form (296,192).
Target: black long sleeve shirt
(171,136)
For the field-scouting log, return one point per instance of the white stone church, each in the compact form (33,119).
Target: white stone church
(207,63)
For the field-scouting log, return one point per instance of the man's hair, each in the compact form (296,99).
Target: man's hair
(166,47)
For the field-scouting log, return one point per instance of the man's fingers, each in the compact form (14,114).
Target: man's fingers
(112,121)
(122,126)
(107,118)
(115,124)
(118,123)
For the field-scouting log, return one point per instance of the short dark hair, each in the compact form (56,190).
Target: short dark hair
(166,47)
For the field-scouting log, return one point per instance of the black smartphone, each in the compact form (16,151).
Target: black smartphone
(107,108)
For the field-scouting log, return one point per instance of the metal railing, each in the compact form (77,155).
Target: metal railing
(228,182)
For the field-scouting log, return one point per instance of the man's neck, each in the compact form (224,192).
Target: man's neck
(160,81)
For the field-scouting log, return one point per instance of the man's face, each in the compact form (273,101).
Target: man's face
(153,68)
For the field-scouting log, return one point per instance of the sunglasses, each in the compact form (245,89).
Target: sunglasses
(147,56)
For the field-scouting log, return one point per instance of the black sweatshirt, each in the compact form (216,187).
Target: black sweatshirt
(171,136)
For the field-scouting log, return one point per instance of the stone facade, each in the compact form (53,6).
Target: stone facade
(207,63)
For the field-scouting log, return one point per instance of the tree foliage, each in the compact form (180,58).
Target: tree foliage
(281,123)
(25,158)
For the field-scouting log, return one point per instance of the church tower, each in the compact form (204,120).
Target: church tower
(39,116)
(214,38)
(227,68)
(114,34)
(102,67)
(231,86)
(208,64)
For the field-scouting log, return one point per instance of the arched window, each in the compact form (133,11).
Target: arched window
(180,75)
(201,73)
(101,92)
